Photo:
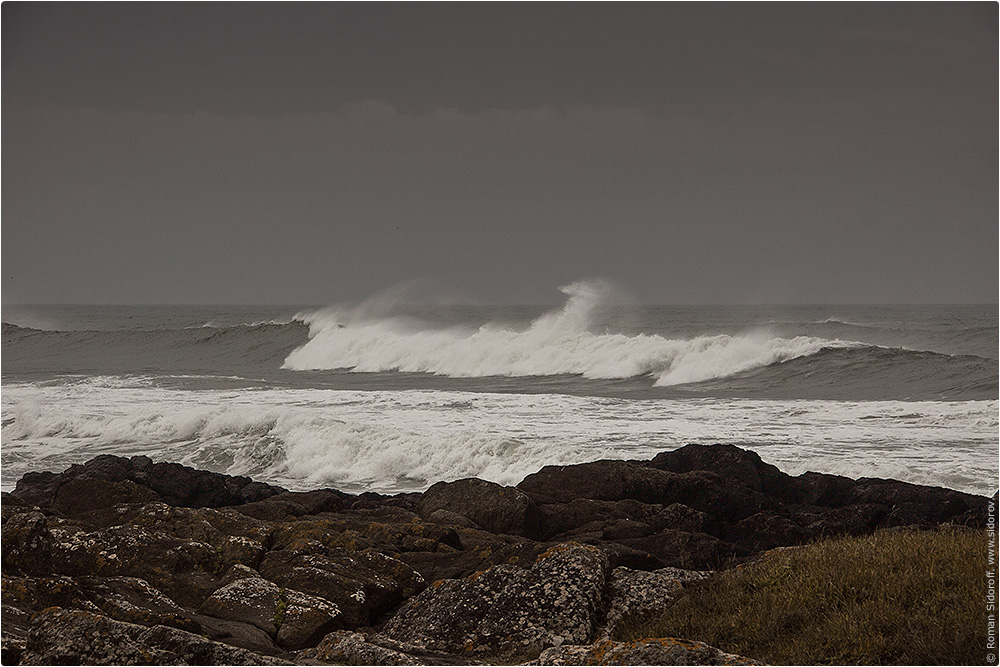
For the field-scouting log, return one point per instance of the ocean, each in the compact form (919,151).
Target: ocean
(388,396)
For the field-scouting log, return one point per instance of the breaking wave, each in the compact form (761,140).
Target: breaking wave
(557,343)
(295,447)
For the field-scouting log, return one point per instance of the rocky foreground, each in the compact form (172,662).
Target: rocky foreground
(126,561)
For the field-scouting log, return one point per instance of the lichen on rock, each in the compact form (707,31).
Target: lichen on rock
(510,612)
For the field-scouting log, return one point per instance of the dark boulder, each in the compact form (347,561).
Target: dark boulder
(625,480)
(725,461)
(764,531)
(185,570)
(820,489)
(114,479)
(678,516)
(600,480)
(563,517)
(856,519)
(496,508)
(681,549)
(913,504)
(27,544)
(289,505)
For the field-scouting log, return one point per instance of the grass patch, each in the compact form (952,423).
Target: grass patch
(894,597)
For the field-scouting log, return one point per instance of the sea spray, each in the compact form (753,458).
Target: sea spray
(558,342)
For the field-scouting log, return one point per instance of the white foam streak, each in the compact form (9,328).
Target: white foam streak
(406,440)
(556,343)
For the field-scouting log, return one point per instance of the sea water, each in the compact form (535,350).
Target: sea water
(392,396)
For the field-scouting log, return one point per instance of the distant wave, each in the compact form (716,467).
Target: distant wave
(557,343)
(197,349)
(372,346)
(866,372)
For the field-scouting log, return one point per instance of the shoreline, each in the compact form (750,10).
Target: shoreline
(295,576)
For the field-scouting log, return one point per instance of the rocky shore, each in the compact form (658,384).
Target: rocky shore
(127,561)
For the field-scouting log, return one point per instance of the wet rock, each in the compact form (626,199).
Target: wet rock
(665,651)
(822,490)
(495,508)
(186,487)
(600,480)
(508,612)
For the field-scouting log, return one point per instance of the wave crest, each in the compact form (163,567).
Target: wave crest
(558,342)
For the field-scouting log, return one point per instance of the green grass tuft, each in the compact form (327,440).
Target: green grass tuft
(895,597)
(279,612)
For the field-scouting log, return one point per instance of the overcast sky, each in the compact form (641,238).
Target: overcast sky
(317,153)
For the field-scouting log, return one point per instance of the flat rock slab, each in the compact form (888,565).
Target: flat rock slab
(665,651)
(73,637)
(353,648)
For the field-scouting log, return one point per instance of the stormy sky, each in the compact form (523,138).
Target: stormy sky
(317,153)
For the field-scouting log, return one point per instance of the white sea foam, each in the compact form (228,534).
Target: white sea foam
(406,440)
(364,339)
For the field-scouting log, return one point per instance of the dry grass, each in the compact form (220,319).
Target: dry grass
(895,597)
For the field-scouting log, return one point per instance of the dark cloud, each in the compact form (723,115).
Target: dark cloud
(315,153)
